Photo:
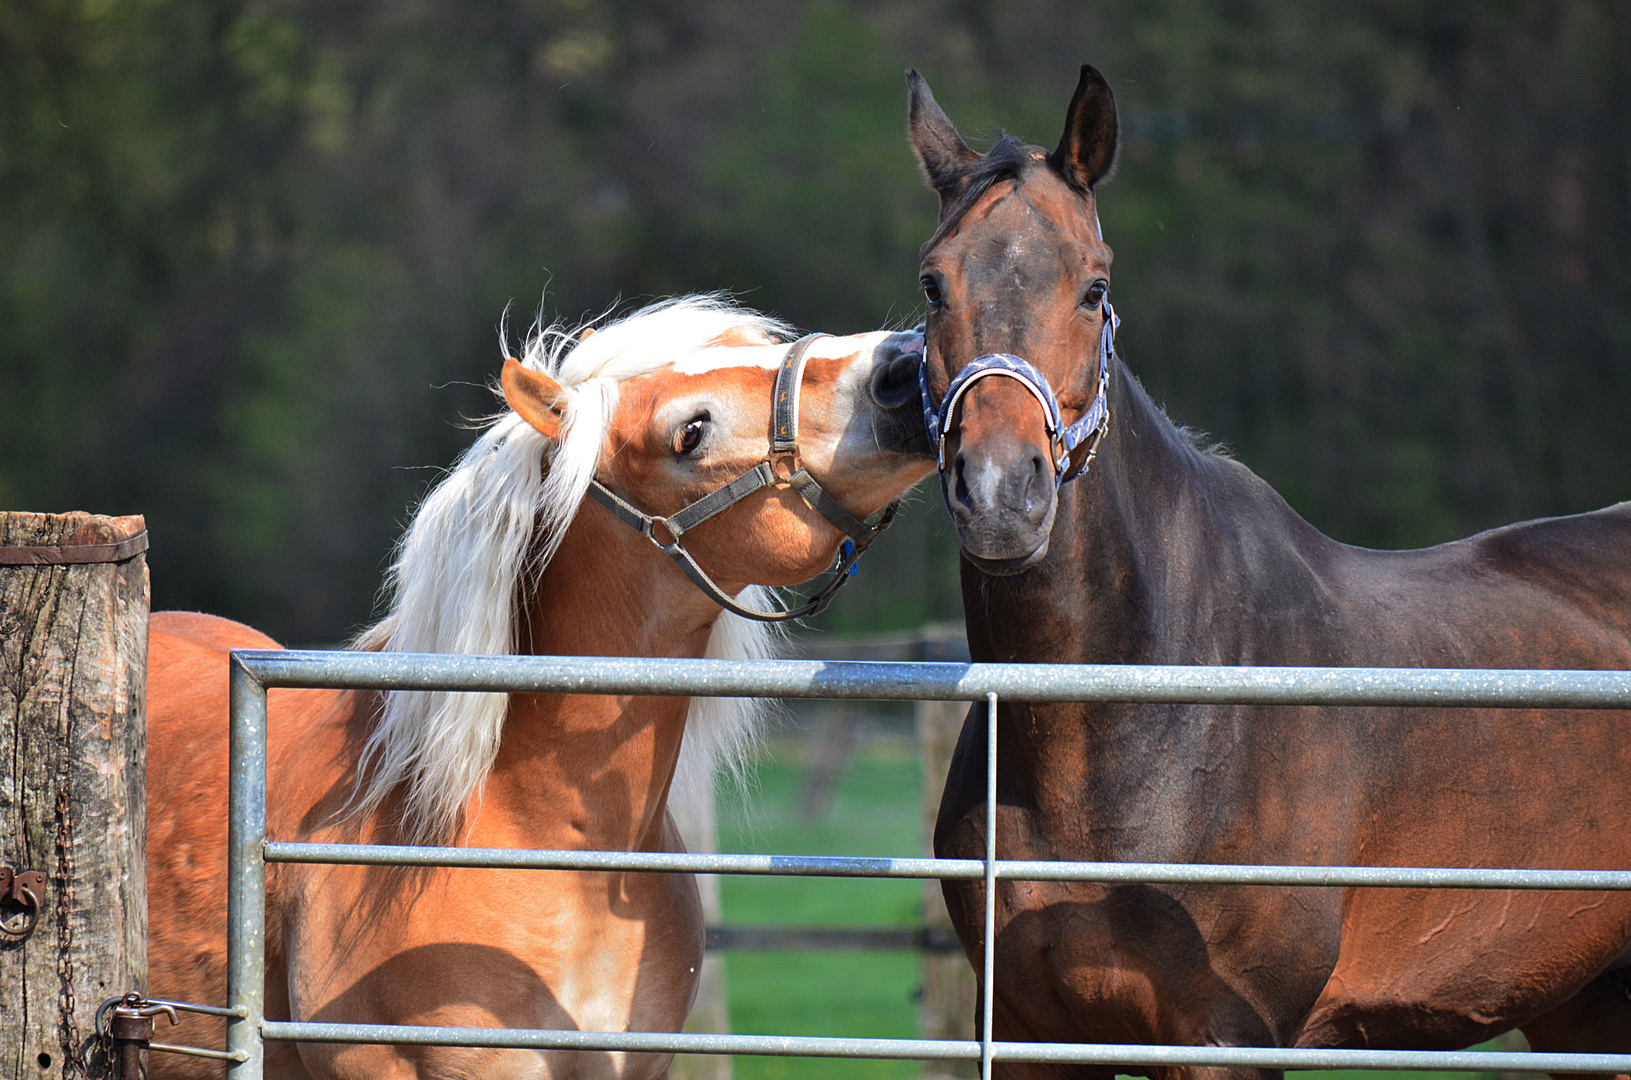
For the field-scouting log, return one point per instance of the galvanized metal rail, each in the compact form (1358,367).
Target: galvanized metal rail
(254,672)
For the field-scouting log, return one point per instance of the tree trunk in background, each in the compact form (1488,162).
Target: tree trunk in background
(711,1013)
(73,682)
(946,1010)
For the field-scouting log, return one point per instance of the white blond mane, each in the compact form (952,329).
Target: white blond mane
(489,528)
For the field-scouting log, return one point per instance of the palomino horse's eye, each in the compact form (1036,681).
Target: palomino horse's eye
(931,290)
(1094,295)
(690,436)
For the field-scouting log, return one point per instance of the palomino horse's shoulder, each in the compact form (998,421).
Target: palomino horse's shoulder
(208,631)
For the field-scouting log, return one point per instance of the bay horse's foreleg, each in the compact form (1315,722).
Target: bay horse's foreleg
(1597,1020)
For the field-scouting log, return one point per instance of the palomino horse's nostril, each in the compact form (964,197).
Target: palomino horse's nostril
(894,380)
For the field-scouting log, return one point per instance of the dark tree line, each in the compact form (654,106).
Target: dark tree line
(253,254)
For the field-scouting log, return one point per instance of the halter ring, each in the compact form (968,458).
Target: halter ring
(662,523)
(784,466)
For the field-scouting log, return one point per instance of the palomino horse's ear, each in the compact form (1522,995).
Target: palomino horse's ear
(940,150)
(536,398)
(1087,152)
(741,335)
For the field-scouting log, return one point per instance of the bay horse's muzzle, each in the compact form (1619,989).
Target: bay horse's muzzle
(1002,499)
(1000,487)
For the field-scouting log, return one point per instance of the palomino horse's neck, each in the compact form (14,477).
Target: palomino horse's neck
(593,771)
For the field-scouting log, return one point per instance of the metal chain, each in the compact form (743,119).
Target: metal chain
(92,1058)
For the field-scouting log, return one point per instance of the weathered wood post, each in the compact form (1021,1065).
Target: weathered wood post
(73,808)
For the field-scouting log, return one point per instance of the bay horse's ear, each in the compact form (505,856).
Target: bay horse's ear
(1087,152)
(940,150)
(536,398)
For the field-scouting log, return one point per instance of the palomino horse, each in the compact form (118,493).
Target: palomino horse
(1157,551)
(652,412)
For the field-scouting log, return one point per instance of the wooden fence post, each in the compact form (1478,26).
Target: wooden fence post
(73,808)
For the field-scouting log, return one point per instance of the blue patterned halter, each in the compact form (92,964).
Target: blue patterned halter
(1063,440)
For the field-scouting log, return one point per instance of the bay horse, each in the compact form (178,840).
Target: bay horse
(1092,530)
(506,554)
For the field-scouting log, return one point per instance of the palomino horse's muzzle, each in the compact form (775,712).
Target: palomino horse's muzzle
(1064,441)
(780,468)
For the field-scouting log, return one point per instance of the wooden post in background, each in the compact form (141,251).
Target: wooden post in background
(73,683)
(946,1010)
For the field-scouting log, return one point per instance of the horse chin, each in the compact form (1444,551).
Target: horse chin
(1007,567)
(1005,547)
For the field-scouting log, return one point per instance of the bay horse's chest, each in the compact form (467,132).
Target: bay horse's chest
(1133,963)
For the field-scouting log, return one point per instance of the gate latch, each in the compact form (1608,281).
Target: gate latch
(21,898)
(129,1031)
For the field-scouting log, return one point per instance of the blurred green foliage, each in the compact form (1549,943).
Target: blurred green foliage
(254,253)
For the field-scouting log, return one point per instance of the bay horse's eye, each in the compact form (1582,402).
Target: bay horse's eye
(931,291)
(1095,295)
(689,437)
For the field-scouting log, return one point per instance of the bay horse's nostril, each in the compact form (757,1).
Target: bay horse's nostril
(959,488)
(1038,488)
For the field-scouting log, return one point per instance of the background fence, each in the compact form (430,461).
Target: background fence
(253,673)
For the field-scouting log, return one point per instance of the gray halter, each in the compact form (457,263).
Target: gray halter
(780,467)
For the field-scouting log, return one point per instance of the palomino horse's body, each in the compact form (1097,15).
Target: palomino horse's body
(661,408)
(1163,553)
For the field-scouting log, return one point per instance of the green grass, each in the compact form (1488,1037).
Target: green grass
(863,994)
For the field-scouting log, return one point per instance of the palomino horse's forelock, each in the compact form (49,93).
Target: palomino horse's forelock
(483,535)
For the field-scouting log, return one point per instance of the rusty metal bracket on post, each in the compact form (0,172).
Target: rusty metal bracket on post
(26,891)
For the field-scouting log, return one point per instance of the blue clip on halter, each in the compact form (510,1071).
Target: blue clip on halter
(1062,440)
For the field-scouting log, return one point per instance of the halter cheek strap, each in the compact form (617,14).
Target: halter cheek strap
(1064,441)
(782,466)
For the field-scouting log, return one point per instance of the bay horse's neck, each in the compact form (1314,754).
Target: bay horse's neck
(1152,557)
(585,770)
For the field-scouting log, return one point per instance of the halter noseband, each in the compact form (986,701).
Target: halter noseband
(781,467)
(1062,440)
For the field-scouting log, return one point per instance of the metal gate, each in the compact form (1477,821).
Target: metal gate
(249,848)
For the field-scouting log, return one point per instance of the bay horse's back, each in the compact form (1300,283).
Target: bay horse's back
(1584,557)
(1523,788)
